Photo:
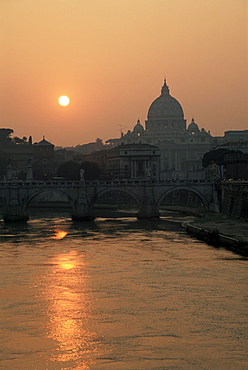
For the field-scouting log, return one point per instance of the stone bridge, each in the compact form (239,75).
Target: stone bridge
(15,196)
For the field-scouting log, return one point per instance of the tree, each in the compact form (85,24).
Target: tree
(17,140)
(5,139)
(92,170)
(217,156)
(70,170)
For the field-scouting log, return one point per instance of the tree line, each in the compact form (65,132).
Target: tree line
(71,170)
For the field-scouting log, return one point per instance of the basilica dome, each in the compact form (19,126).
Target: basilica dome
(193,127)
(138,128)
(165,106)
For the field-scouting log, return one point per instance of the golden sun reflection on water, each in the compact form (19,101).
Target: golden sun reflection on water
(66,263)
(59,234)
(68,310)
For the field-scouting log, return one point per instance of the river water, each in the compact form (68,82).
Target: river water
(119,293)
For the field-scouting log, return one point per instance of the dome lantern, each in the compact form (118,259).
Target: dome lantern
(165,88)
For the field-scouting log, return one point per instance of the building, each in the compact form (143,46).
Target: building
(235,136)
(235,140)
(236,166)
(181,147)
(18,156)
(44,165)
(128,161)
(63,155)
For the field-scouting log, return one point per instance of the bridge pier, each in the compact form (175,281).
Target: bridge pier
(82,216)
(148,207)
(82,210)
(15,213)
(148,211)
(13,210)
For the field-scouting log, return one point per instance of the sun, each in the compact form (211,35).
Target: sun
(64,100)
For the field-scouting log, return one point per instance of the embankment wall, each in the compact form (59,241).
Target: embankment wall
(234,199)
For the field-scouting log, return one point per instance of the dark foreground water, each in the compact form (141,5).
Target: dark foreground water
(119,294)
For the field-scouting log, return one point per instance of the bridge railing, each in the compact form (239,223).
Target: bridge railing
(146,181)
(234,182)
(65,183)
(39,183)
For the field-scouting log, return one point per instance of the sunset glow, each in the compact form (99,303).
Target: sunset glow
(111,59)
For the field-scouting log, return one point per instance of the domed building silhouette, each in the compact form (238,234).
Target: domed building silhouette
(165,114)
(181,147)
(193,127)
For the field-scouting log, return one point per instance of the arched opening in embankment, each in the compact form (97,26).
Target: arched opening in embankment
(49,203)
(183,200)
(115,203)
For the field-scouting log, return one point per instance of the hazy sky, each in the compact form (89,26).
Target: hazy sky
(111,56)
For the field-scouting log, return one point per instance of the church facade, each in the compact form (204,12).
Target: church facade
(181,146)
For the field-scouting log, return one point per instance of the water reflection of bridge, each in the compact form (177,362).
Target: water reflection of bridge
(148,195)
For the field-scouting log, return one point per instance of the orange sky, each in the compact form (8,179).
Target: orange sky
(111,56)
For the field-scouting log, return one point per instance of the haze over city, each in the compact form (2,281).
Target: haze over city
(110,58)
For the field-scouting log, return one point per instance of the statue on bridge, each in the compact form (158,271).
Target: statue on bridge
(82,175)
(11,174)
(29,171)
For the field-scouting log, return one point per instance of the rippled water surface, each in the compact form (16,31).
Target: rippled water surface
(119,294)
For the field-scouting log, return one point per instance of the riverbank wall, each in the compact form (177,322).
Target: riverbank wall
(221,232)
(234,198)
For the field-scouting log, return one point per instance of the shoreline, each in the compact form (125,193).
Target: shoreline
(221,232)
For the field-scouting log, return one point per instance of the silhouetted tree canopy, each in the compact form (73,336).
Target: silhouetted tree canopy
(217,156)
(92,170)
(5,138)
(17,140)
(70,170)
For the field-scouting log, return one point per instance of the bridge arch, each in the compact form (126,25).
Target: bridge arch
(38,192)
(177,189)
